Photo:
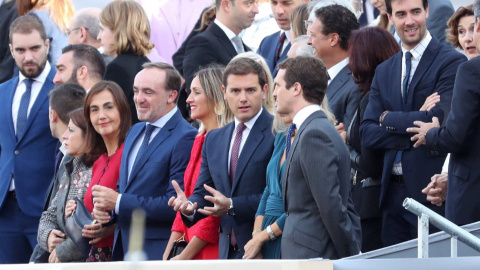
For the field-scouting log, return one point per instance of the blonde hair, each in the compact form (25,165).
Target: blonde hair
(61,11)
(210,79)
(129,23)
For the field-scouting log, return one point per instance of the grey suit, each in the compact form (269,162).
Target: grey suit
(343,96)
(321,221)
(439,12)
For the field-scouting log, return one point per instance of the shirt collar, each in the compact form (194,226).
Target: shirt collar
(164,119)
(418,50)
(62,148)
(333,71)
(301,115)
(41,78)
(250,122)
(287,34)
(230,34)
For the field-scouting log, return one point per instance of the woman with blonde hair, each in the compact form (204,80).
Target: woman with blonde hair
(210,108)
(125,35)
(55,16)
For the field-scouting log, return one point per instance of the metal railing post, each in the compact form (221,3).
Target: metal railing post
(453,247)
(423,236)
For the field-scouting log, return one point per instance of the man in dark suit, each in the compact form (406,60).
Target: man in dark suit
(8,13)
(274,48)
(329,36)
(82,64)
(27,154)
(399,92)
(234,161)
(321,220)
(459,137)
(156,152)
(64,98)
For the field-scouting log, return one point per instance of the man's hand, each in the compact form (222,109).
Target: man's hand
(180,203)
(54,238)
(436,190)
(220,203)
(53,257)
(96,232)
(430,102)
(104,198)
(100,215)
(421,131)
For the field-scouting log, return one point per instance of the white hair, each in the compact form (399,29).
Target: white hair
(323,3)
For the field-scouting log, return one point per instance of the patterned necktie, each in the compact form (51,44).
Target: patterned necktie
(279,47)
(23,108)
(239,44)
(235,150)
(146,140)
(291,130)
(408,67)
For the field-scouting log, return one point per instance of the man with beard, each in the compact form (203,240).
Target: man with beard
(27,155)
(82,64)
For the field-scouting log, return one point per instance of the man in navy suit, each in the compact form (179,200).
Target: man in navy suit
(156,151)
(27,155)
(329,36)
(398,98)
(274,48)
(459,136)
(234,161)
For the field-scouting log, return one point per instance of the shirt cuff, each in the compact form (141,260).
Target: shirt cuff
(190,217)
(117,204)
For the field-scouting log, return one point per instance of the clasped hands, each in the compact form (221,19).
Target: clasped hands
(180,203)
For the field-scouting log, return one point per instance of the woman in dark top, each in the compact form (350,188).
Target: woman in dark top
(377,45)
(125,34)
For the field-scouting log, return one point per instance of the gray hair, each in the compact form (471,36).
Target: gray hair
(89,19)
(323,3)
(476,9)
(304,49)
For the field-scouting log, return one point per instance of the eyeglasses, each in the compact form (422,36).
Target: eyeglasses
(69,31)
(307,23)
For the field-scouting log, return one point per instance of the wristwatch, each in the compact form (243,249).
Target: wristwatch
(231,210)
(271,235)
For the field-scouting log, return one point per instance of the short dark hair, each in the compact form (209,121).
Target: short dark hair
(66,97)
(94,142)
(173,79)
(26,24)
(244,66)
(78,118)
(388,4)
(86,55)
(452,31)
(310,73)
(338,19)
(375,44)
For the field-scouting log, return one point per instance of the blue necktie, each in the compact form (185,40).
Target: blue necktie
(23,108)
(408,67)
(291,130)
(146,139)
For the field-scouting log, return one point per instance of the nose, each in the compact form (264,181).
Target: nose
(409,19)
(65,135)
(469,37)
(255,7)
(101,114)
(275,92)
(98,36)
(243,96)
(57,79)
(190,98)
(309,41)
(279,9)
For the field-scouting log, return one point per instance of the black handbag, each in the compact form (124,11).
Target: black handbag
(74,225)
(178,246)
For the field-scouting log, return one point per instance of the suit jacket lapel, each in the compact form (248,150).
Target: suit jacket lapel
(39,101)
(134,134)
(225,140)
(11,92)
(338,82)
(395,94)
(223,39)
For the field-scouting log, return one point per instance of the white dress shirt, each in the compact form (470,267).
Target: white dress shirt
(133,153)
(333,71)
(304,113)
(230,34)
(17,97)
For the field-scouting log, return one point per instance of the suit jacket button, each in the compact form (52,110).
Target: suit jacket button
(17,152)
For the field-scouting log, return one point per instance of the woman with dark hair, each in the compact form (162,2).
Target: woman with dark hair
(461,29)
(74,183)
(108,114)
(368,48)
(209,108)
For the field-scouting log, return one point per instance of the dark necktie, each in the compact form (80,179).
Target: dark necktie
(291,130)
(233,164)
(58,160)
(146,139)
(279,47)
(408,67)
(23,108)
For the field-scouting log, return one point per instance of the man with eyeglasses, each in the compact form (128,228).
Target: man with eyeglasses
(274,48)
(84,28)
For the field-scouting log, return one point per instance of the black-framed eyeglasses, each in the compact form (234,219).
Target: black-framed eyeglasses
(69,31)
(307,23)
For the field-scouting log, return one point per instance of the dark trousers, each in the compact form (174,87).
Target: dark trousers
(399,225)
(234,253)
(18,233)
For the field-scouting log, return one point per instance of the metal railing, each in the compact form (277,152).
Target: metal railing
(426,216)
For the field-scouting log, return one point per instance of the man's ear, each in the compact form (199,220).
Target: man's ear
(334,39)
(224,90)
(82,72)
(53,115)
(297,89)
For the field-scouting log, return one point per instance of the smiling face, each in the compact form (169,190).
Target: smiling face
(30,53)
(466,26)
(104,114)
(198,101)
(74,140)
(319,41)
(410,21)
(244,95)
